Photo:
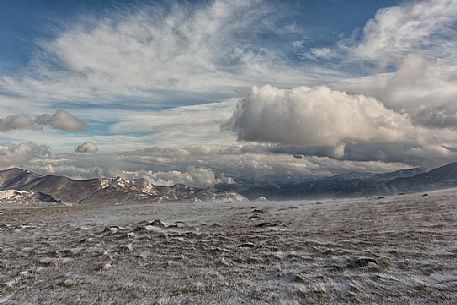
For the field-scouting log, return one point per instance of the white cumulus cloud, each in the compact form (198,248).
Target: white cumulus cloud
(315,117)
(86,147)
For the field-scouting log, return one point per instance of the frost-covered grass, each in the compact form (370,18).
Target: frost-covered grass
(396,250)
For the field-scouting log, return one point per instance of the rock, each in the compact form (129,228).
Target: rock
(266,224)
(48,262)
(221,261)
(297,278)
(56,253)
(257,211)
(126,248)
(130,235)
(105,267)
(111,230)
(68,283)
(89,240)
(362,262)
(247,245)
(158,223)
(103,253)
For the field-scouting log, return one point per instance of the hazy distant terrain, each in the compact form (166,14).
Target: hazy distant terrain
(20,185)
(352,184)
(396,250)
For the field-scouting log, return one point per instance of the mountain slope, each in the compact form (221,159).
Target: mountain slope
(108,190)
(114,190)
(353,184)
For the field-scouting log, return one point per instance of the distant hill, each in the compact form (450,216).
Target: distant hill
(108,190)
(353,184)
(114,190)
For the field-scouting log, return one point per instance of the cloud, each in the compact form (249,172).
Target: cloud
(399,107)
(427,27)
(86,147)
(183,125)
(200,165)
(323,122)
(405,58)
(60,120)
(208,50)
(17,155)
(426,90)
(198,177)
(315,117)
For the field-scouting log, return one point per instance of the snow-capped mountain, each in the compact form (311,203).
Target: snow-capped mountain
(107,190)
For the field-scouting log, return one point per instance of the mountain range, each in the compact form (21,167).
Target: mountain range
(351,184)
(20,184)
(102,190)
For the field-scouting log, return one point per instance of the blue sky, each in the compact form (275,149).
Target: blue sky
(352,85)
(23,24)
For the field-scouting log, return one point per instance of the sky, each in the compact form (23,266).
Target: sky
(207,92)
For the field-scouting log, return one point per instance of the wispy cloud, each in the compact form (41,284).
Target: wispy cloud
(425,27)
(154,54)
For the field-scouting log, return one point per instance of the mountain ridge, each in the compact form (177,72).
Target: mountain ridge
(117,190)
(354,184)
(110,190)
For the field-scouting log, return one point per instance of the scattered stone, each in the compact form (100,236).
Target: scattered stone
(68,283)
(103,253)
(126,248)
(362,262)
(129,235)
(177,225)
(71,252)
(424,195)
(48,262)
(266,225)
(105,267)
(247,245)
(158,223)
(221,261)
(258,211)
(89,240)
(10,283)
(297,278)
(111,230)
(164,237)
(56,253)
(255,216)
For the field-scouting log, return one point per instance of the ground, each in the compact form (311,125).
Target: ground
(393,250)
